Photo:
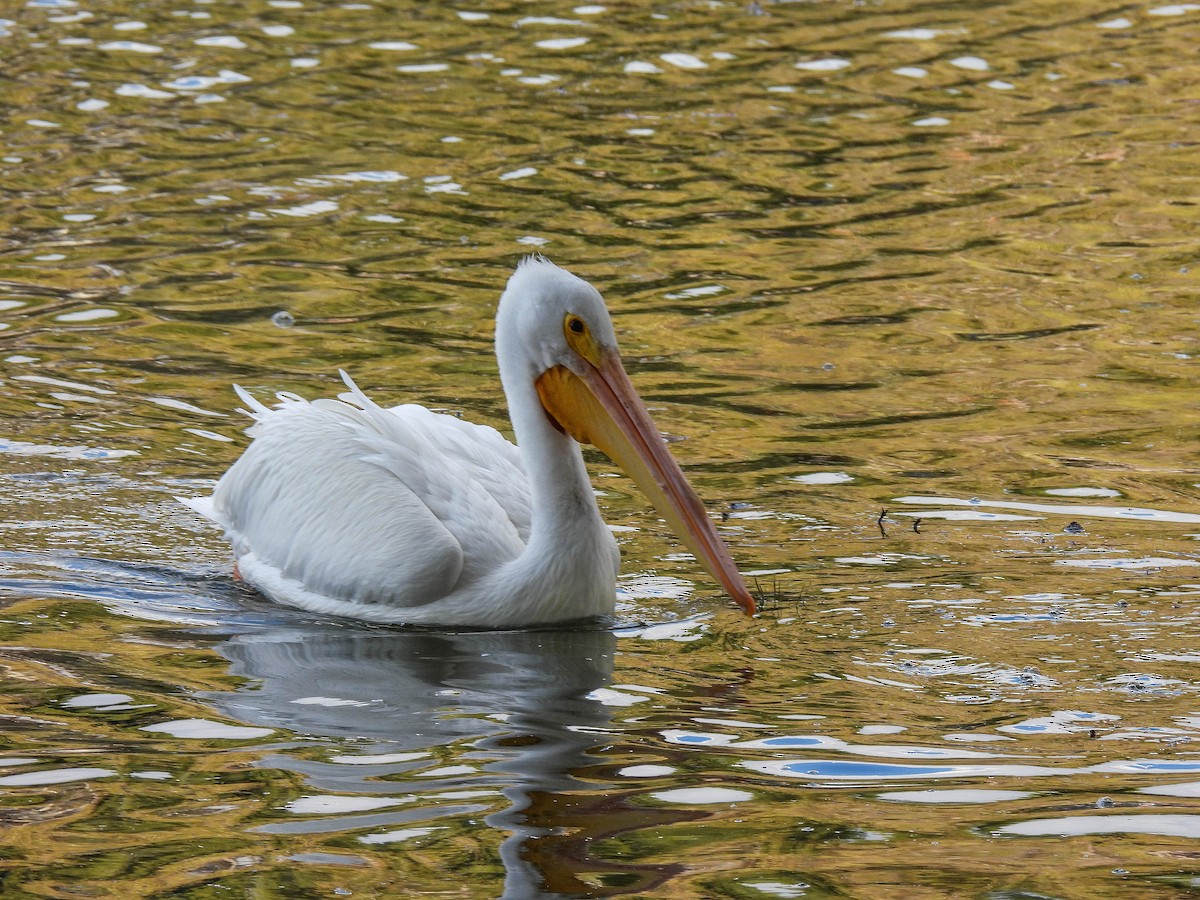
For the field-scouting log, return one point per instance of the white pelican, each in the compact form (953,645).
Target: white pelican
(404,515)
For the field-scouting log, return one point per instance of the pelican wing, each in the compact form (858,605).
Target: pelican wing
(484,456)
(348,500)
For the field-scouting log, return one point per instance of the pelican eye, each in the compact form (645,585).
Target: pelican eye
(580,338)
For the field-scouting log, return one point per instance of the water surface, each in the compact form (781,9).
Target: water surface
(911,286)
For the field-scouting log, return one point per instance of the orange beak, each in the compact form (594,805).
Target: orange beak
(602,408)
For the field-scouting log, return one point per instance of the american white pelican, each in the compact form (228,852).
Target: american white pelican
(409,516)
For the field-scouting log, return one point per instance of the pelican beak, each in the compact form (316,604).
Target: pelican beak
(601,407)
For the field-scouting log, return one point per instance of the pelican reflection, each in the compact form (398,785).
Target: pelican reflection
(519,699)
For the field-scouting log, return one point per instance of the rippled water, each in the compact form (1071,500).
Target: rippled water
(912,284)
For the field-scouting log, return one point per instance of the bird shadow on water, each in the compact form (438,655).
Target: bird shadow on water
(523,701)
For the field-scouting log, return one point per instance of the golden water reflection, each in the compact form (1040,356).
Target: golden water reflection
(914,288)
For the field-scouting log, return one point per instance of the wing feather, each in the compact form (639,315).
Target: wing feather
(482,454)
(303,501)
(418,502)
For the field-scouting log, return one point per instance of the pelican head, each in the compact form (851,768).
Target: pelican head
(553,329)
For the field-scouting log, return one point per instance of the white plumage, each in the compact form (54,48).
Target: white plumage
(409,516)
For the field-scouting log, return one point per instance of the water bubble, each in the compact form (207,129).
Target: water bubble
(131,47)
(1174,9)
(283,319)
(562,43)
(974,63)
(684,60)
